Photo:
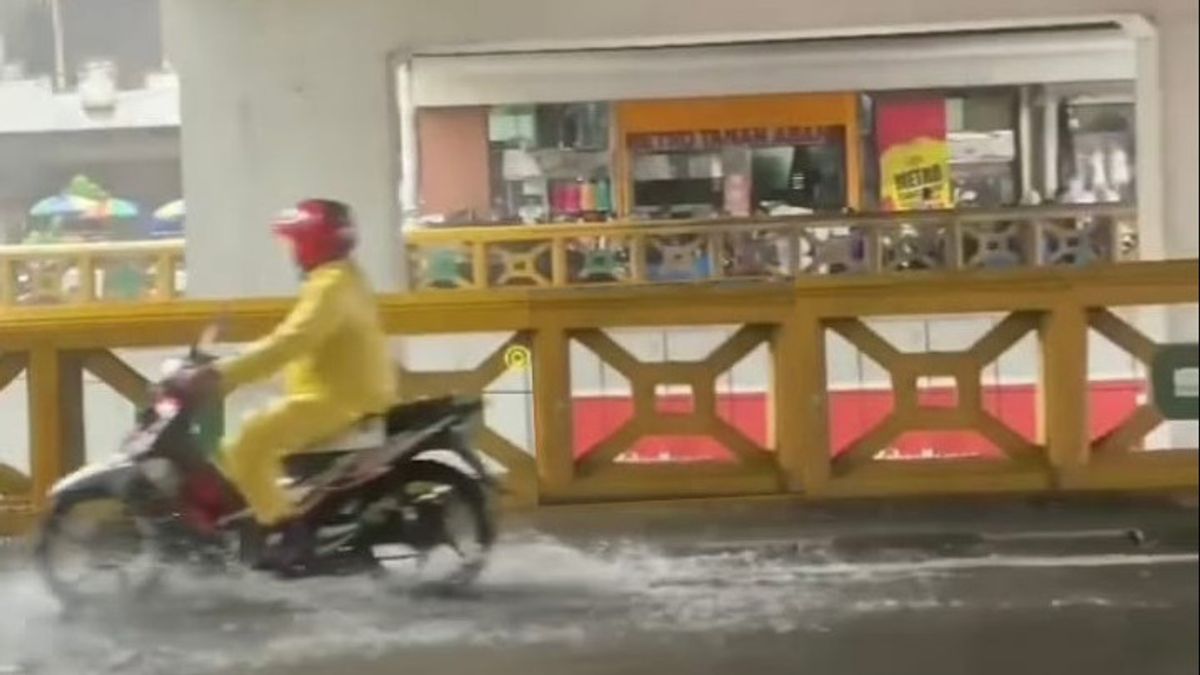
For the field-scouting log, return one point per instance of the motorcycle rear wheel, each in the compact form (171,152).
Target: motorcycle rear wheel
(452,511)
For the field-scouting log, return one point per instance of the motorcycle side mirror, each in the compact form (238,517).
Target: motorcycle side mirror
(208,336)
(202,347)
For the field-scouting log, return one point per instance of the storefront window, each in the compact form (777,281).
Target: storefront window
(771,155)
(740,156)
(1097,152)
(982,133)
(515,164)
(595,161)
(738,174)
(551,163)
(945,149)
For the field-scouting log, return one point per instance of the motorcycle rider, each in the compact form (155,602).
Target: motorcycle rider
(337,370)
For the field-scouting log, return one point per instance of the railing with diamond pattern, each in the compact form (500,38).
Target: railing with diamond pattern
(791,450)
(768,249)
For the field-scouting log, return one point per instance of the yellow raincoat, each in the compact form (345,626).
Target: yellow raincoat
(337,370)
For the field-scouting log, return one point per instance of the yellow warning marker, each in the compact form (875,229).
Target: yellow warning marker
(517,357)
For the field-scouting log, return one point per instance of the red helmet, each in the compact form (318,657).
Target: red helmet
(320,230)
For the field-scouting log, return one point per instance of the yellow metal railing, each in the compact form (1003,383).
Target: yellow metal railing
(770,248)
(54,346)
(598,254)
(55,274)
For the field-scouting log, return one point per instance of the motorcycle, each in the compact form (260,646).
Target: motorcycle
(407,479)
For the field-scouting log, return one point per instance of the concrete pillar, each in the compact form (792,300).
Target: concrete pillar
(1178,54)
(1050,141)
(1025,140)
(265,125)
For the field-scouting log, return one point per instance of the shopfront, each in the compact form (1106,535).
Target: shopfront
(752,130)
(736,157)
(725,157)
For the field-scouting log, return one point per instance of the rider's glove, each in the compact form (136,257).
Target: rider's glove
(198,383)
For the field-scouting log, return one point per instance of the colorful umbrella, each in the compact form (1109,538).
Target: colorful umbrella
(112,208)
(171,211)
(62,205)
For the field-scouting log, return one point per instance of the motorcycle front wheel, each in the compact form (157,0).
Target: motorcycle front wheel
(90,549)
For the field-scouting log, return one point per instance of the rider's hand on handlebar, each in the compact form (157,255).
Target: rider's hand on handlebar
(199,382)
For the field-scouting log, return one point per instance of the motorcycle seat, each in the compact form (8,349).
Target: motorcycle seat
(369,432)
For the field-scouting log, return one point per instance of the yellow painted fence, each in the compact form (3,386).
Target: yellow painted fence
(53,347)
(791,247)
(54,274)
(590,255)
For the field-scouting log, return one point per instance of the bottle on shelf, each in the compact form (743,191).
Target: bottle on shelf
(572,198)
(603,196)
(587,195)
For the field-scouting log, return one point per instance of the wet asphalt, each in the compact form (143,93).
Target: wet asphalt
(704,587)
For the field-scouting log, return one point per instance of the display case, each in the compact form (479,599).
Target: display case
(521,164)
(551,163)
(983,168)
(1099,154)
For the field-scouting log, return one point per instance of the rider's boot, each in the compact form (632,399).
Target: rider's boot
(290,552)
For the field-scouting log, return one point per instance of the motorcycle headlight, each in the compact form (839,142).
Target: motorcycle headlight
(166,407)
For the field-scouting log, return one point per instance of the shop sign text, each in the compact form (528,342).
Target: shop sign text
(706,139)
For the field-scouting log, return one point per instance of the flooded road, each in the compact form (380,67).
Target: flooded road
(657,605)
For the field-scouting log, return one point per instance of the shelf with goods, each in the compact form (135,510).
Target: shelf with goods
(510,165)
(551,163)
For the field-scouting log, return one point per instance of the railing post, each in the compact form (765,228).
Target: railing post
(8,282)
(799,419)
(792,263)
(1062,388)
(637,258)
(954,254)
(559,274)
(87,278)
(873,250)
(55,389)
(1036,241)
(480,267)
(552,406)
(164,277)
(713,249)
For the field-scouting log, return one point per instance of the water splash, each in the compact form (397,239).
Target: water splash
(536,590)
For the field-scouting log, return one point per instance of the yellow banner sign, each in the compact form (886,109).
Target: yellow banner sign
(916,175)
